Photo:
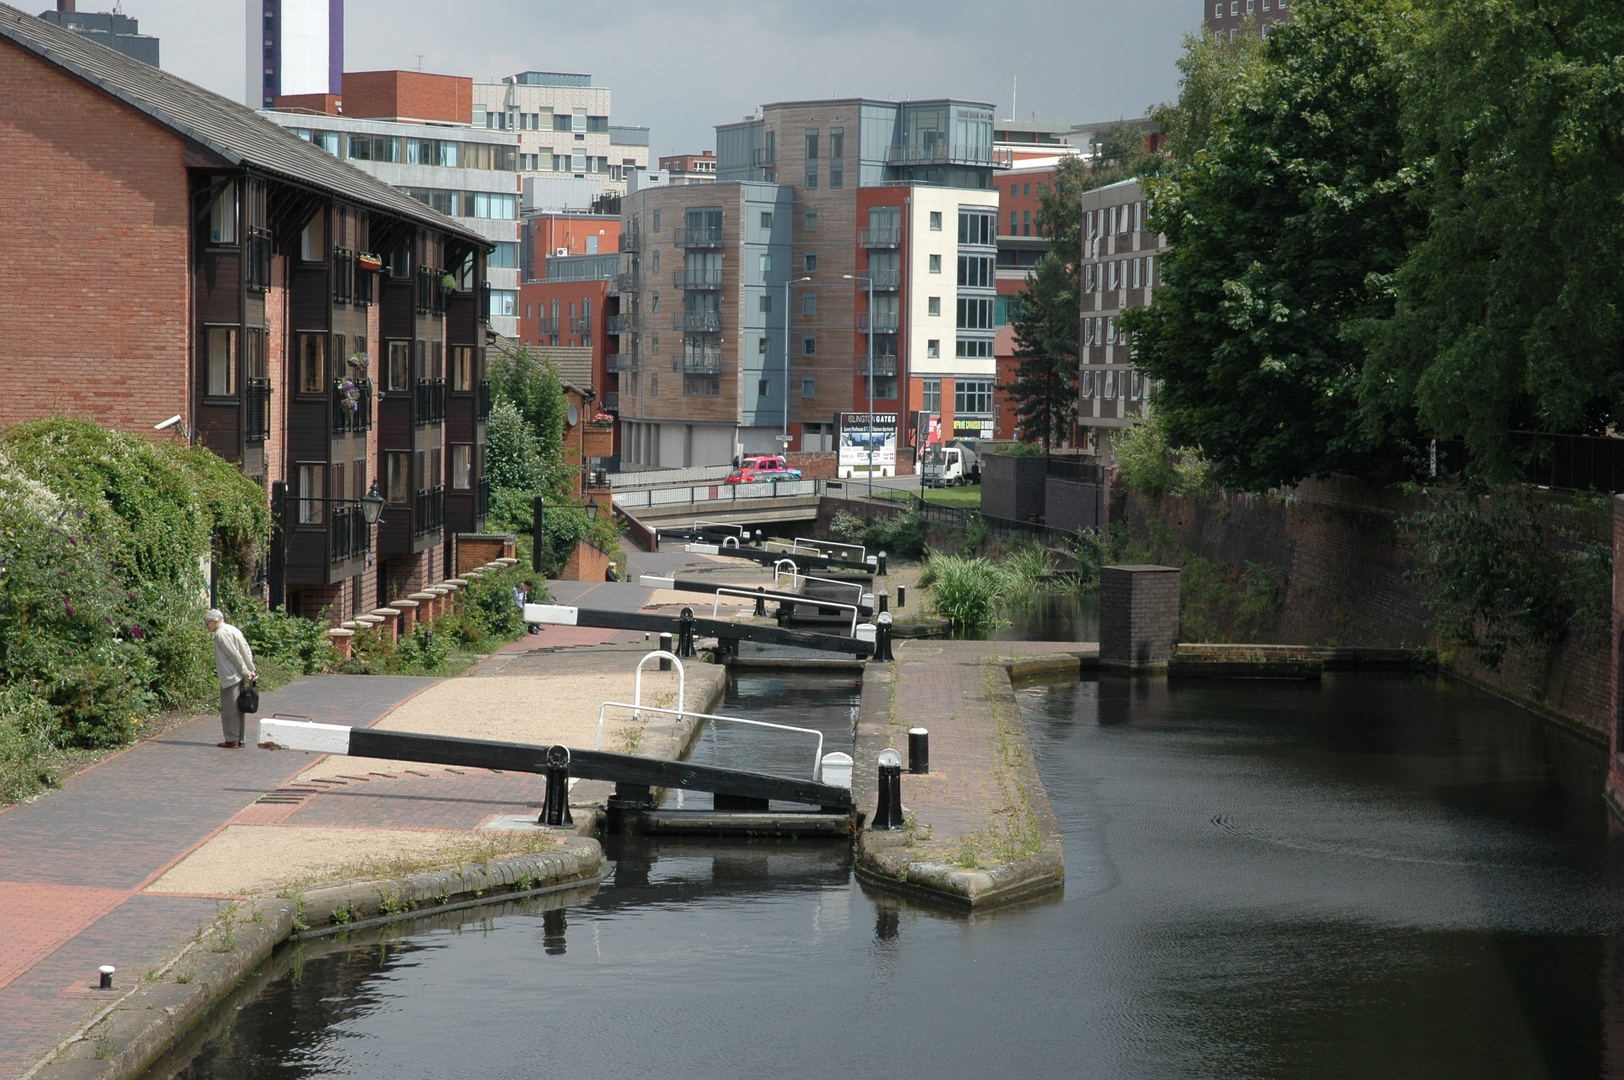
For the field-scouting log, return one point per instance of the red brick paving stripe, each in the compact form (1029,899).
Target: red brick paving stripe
(39,917)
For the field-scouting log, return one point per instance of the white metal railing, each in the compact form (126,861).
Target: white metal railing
(716,605)
(789,548)
(795,577)
(648,498)
(637,687)
(662,477)
(817,759)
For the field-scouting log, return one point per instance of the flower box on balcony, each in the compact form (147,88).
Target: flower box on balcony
(368,262)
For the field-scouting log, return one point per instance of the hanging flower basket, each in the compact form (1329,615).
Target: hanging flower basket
(350,395)
(449,283)
(604,419)
(368,261)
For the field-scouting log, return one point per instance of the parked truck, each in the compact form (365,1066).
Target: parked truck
(951,466)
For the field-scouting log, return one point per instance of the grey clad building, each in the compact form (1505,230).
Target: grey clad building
(114,29)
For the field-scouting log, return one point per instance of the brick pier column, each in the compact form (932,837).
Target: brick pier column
(427,609)
(1139,616)
(408,615)
(341,641)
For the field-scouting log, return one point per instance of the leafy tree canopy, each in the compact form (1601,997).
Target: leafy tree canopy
(1284,204)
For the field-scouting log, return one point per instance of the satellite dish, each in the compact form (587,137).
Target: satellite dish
(572,414)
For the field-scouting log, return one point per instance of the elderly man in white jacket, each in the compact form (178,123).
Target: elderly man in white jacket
(233,662)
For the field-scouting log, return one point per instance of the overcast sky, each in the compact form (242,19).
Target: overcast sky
(682,66)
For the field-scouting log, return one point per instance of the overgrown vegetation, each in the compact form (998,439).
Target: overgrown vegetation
(487,617)
(1508,568)
(102,591)
(1149,464)
(974,593)
(901,536)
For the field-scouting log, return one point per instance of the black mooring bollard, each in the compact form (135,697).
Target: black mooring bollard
(556,809)
(665,646)
(761,599)
(879,567)
(882,638)
(902,597)
(106,971)
(685,633)
(888,811)
(884,599)
(918,751)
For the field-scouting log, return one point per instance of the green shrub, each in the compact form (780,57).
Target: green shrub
(28,745)
(900,536)
(968,592)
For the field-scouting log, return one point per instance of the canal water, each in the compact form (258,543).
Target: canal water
(1376,876)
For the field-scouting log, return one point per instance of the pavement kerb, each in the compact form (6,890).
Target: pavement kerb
(886,859)
(133,1031)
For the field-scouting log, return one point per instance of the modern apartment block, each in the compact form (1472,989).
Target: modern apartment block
(294,47)
(413,131)
(689,168)
(316,327)
(563,129)
(114,29)
(1227,18)
(1121,260)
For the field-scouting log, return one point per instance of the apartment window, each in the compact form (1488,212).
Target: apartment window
(1088,384)
(933,348)
(766,219)
(811,175)
(811,144)
(399,367)
(1088,331)
(765,303)
(398,476)
(935,221)
(313,240)
(1111,269)
(976,271)
(1026,223)
(254,353)
(1014,222)
(936,264)
(312,481)
(462,466)
(764,388)
(809,345)
(761,346)
(1110,385)
(312,363)
(1088,277)
(1027,189)
(975,313)
(809,263)
(1249,7)
(1234,7)
(930,394)
(1150,269)
(1218,11)
(1014,190)
(809,303)
(654,262)
(654,304)
(809,221)
(809,386)
(1138,270)
(656,221)
(221,361)
(837,150)
(462,367)
(701,386)
(972,396)
(973,348)
(223,216)
(978,227)
(933,306)
(766,262)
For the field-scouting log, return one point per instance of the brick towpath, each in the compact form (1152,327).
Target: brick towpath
(73,864)
(982,828)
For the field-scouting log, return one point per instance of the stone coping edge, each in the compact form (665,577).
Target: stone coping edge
(884,859)
(134,1030)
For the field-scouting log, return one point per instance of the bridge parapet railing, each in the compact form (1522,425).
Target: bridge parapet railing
(668,477)
(716,493)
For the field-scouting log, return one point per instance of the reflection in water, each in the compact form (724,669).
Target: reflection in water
(1376,876)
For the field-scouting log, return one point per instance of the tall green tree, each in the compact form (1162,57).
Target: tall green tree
(1508,311)
(1044,391)
(1284,206)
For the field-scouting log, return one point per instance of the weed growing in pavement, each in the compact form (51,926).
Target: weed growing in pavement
(342,915)
(104,1046)
(394,904)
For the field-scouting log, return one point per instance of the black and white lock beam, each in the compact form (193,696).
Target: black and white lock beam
(564,615)
(621,769)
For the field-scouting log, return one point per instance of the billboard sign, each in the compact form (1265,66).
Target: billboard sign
(866,441)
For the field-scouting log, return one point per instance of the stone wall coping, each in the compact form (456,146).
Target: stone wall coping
(386,612)
(1143,568)
(457,582)
(508,560)
(369,621)
(348,624)
(424,595)
(340,632)
(404,605)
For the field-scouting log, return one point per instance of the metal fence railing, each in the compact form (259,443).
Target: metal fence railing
(713,494)
(660,477)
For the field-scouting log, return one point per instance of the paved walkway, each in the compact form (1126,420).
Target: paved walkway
(77,865)
(981,807)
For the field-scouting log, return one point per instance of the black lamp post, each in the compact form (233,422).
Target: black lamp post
(591,509)
(372,505)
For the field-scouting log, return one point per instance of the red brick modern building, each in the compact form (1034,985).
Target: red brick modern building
(1227,18)
(171,253)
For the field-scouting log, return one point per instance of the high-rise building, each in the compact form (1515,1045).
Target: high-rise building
(563,126)
(294,47)
(749,317)
(1227,18)
(114,29)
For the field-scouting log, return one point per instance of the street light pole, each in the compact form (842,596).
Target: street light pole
(869,278)
(784,439)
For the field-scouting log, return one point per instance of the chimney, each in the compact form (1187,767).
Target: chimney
(65,5)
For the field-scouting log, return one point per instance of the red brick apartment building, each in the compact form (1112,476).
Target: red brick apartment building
(1227,18)
(169,252)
